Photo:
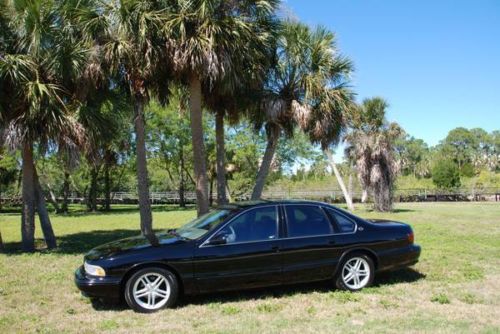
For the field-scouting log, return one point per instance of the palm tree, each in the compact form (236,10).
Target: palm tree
(371,145)
(305,88)
(134,49)
(235,95)
(206,38)
(36,104)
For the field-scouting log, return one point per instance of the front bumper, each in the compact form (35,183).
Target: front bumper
(97,287)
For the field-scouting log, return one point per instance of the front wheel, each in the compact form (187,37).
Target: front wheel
(356,272)
(151,289)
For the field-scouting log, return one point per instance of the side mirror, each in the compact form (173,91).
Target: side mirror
(219,239)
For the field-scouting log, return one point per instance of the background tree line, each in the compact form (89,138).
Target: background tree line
(99,96)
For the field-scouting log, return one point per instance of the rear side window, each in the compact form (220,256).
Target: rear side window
(306,220)
(344,224)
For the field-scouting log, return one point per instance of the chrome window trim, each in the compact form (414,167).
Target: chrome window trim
(322,207)
(346,217)
(276,208)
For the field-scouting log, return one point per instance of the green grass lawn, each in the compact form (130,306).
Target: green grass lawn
(454,288)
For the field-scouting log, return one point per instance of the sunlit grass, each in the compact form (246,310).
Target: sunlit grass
(454,288)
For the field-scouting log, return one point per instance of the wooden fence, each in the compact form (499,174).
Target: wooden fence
(334,196)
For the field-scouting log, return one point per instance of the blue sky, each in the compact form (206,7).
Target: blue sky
(436,62)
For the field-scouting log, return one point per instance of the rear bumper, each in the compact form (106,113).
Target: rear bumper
(399,258)
(97,287)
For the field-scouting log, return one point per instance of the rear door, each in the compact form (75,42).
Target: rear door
(309,249)
(249,258)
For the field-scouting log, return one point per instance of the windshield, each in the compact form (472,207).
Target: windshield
(202,225)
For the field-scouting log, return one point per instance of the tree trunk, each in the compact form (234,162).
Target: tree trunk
(142,173)
(43,214)
(92,201)
(211,192)
(347,197)
(107,185)
(200,169)
(182,182)
(28,209)
(221,158)
(349,183)
(64,207)
(228,193)
(364,196)
(52,198)
(272,143)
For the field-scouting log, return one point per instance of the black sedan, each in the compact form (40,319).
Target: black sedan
(247,245)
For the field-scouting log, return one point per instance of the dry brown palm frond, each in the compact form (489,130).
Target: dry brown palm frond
(301,114)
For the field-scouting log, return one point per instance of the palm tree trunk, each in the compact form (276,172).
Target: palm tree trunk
(2,248)
(221,157)
(347,197)
(28,210)
(107,184)
(364,196)
(349,183)
(211,191)
(64,207)
(43,214)
(200,169)
(92,202)
(272,143)
(182,182)
(142,173)
(228,193)
(53,199)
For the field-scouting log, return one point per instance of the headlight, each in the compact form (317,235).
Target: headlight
(94,270)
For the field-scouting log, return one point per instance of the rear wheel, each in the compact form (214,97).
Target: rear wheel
(151,289)
(356,272)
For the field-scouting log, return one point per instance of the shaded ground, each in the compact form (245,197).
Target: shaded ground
(454,288)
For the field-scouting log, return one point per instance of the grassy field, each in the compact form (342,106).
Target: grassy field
(454,288)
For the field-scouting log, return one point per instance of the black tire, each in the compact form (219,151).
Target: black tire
(170,279)
(339,278)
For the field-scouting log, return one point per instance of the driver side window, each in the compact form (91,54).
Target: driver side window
(254,225)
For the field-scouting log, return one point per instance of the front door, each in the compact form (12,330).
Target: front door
(249,256)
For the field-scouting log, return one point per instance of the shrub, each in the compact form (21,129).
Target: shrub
(446,175)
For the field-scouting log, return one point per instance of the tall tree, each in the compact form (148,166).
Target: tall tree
(134,48)
(205,37)
(235,95)
(305,88)
(370,143)
(413,154)
(35,98)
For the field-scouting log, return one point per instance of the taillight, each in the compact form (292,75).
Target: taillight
(411,238)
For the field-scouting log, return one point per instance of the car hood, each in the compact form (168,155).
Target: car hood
(131,244)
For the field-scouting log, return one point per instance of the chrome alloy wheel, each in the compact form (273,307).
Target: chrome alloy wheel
(356,273)
(151,291)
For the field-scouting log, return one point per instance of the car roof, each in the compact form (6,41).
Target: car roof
(258,203)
